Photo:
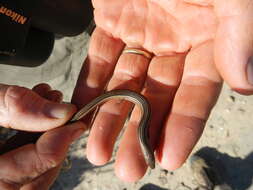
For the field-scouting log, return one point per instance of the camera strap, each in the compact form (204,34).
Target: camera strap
(15,21)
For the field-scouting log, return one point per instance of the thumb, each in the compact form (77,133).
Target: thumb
(23,109)
(234,43)
(23,165)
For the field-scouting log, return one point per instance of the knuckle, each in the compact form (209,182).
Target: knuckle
(14,97)
(16,92)
(129,73)
(20,99)
(99,61)
(11,97)
(128,78)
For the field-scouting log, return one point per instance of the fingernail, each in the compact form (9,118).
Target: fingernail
(76,134)
(61,110)
(250,70)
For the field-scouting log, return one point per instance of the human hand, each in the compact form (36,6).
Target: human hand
(35,166)
(189,40)
(24,109)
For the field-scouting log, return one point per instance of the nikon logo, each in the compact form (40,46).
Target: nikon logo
(13,15)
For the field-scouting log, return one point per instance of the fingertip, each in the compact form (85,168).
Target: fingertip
(45,91)
(233,52)
(239,86)
(172,158)
(236,75)
(122,175)
(97,153)
(130,165)
(246,92)
(129,171)
(169,163)
(165,159)
(54,95)
(59,110)
(245,88)
(180,136)
(96,160)
(41,88)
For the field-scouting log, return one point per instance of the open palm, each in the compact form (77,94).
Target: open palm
(189,40)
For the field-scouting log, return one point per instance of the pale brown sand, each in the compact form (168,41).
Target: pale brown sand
(229,130)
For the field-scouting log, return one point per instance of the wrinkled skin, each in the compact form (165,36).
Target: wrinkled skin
(35,166)
(196,44)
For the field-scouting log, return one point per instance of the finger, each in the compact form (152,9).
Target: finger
(98,67)
(234,44)
(41,89)
(26,163)
(45,91)
(130,73)
(22,138)
(197,94)
(23,109)
(45,181)
(163,78)
(54,95)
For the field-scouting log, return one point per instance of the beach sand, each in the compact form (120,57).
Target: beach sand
(228,132)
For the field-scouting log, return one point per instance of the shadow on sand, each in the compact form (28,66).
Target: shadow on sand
(68,180)
(150,186)
(233,172)
(229,173)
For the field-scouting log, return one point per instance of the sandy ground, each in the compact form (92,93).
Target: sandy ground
(227,138)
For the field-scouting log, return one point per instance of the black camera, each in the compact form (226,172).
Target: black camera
(28,27)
